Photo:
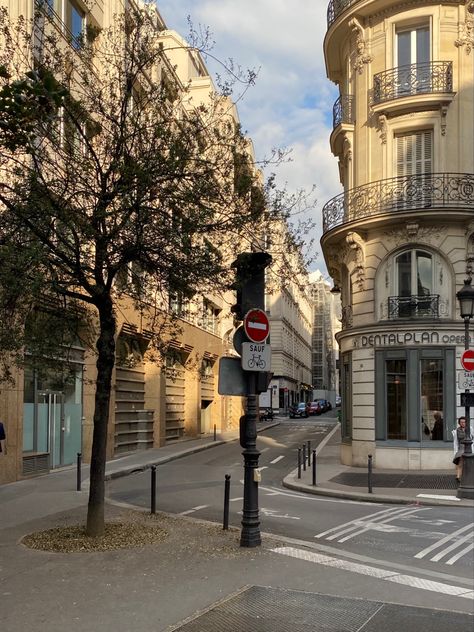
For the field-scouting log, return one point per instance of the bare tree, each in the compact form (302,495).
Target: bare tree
(107,167)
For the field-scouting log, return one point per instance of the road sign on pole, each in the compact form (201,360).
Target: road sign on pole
(256,357)
(256,325)
(467,360)
(465,380)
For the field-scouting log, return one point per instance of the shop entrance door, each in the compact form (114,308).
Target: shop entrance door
(51,417)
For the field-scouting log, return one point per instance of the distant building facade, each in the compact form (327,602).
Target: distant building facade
(324,348)
(399,241)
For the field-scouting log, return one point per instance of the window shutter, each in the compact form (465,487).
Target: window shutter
(414,153)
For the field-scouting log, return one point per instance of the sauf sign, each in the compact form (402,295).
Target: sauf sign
(256,356)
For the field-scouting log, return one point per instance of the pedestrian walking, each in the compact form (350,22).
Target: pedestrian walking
(459,435)
(3,440)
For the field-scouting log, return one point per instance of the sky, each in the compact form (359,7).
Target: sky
(290,106)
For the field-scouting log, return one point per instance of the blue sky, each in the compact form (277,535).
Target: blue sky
(291,103)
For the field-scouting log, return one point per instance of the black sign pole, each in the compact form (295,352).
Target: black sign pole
(250,535)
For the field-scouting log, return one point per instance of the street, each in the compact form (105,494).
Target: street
(429,544)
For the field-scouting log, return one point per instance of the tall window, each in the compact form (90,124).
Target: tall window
(413,57)
(75,20)
(396,389)
(414,270)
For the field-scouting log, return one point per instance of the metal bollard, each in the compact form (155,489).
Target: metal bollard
(304,457)
(226,501)
(314,467)
(153,489)
(309,452)
(369,473)
(215,433)
(299,462)
(78,473)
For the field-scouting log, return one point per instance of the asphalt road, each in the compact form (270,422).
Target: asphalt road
(438,541)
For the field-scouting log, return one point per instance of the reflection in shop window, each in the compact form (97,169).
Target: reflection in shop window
(396,389)
(432,404)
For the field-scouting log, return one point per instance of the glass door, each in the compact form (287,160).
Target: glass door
(51,425)
(413,60)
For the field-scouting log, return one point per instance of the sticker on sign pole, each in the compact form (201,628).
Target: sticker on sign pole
(256,325)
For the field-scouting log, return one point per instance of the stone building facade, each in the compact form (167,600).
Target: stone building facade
(399,240)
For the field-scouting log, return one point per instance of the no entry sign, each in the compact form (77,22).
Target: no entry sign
(256,325)
(467,360)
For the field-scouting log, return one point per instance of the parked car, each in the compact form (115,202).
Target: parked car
(301,410)
(314,408)
(325,405)
(338,400)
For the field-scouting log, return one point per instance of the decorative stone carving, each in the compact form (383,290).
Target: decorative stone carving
(444,112)
(357,245)
(383,128)
(466,30)
(428,235)
(362,56)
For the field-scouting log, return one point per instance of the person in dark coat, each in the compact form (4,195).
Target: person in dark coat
(459,434)
(438,427)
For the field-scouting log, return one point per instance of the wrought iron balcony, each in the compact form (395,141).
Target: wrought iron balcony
(336,7)
(434,191)
(343,110)
(426,306)
(428,78)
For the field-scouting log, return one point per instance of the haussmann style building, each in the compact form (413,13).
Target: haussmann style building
(399,240)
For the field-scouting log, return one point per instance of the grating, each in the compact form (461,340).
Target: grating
(411,481)
(260,609)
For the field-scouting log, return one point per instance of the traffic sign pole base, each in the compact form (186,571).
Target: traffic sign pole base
(466,488)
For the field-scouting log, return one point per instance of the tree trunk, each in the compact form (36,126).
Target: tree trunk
(105,364)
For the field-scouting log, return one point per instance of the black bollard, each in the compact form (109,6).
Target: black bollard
(369,473)
(309,453)
(299,462)
(304,457)
(153,489)
(226,501)
(78,473)
(215,433)
(314,467)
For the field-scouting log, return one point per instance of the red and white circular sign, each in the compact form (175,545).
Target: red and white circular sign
(256,325)
(467,360)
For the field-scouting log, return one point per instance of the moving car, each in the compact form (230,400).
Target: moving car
(301,410)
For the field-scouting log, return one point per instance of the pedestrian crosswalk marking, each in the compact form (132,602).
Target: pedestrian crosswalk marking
(457,538)
(373,571)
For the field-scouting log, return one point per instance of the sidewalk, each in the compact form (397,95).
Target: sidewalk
(198,577)
(388,486)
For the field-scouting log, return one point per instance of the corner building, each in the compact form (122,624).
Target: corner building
(399,240)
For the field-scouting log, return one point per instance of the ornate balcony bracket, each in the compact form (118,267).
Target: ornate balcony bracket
(466,30)
(357,245)
(383,128)
(362,56)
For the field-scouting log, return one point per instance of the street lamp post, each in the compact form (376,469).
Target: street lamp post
(465,297)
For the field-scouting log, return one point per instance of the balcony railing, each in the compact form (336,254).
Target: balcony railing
(343,110)
(433,191)
(336,7)
(426,306)
(428,78)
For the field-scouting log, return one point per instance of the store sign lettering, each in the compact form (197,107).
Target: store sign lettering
(409,338)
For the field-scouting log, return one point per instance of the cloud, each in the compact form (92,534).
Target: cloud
(291,103)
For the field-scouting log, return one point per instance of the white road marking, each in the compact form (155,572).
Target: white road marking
(372,571)
(369,526)
(235,499)
(279,458)
(460,554)
(438,497)
(378,517)
(185,513)
(272,513)
(450,536)
(459,542)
